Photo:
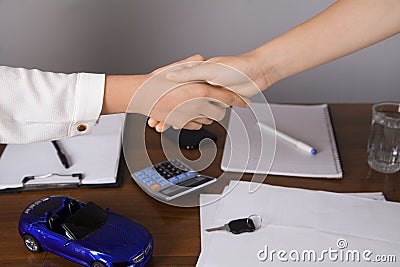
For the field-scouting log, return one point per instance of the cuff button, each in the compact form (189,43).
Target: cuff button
(81,127)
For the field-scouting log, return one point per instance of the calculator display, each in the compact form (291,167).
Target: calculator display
(185,185)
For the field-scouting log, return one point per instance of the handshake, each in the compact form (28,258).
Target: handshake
(195,91)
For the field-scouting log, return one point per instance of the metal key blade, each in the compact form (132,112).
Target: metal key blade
(221,228)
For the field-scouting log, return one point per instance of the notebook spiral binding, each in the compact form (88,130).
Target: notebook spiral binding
(335,152)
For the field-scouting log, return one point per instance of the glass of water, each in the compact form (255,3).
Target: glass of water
(384,138)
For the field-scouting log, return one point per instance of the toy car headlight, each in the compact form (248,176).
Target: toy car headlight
(140,257)
(147,250)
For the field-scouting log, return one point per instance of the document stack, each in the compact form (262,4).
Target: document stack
(299,228)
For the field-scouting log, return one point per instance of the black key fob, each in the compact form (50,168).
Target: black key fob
(241,225)
(189,139)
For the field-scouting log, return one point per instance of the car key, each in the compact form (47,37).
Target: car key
(236,226)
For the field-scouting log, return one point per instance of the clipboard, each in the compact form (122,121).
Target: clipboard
(96,161)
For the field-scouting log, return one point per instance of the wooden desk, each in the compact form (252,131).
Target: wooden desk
(176,230)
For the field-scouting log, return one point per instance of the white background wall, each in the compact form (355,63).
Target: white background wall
(133,36)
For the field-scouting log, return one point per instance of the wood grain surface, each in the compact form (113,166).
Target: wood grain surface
(176,231)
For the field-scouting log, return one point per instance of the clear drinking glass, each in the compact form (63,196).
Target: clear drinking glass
(384,138)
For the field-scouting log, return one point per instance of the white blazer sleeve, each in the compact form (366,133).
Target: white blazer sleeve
(38,106)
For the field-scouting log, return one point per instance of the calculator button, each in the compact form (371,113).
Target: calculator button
(146,179)
(181,176)
(191,174)
(141,176)
(160,180)
(165,182)
(173,180)
(155,186)
(149,183)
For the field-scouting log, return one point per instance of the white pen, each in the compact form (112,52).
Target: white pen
(289,139)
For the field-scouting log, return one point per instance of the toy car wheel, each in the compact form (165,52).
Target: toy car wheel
(32,244)
(98,264)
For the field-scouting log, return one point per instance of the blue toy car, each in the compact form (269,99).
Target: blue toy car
(84,233)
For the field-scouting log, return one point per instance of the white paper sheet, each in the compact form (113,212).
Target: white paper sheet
(252,151)
(95,155)
(300,220)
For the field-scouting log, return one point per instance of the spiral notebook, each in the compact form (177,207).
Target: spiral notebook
(249,149)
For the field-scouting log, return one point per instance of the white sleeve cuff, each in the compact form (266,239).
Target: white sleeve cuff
(88,103)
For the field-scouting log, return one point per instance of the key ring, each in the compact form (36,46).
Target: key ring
(255,216)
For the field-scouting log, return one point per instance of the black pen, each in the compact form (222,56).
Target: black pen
(61,155)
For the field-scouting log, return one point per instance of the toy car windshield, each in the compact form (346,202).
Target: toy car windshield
(85,221)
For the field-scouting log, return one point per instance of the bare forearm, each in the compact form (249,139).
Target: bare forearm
(185,105)
(118,92)
(343,28)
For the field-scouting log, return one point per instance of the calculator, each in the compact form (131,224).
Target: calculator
(171,179)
